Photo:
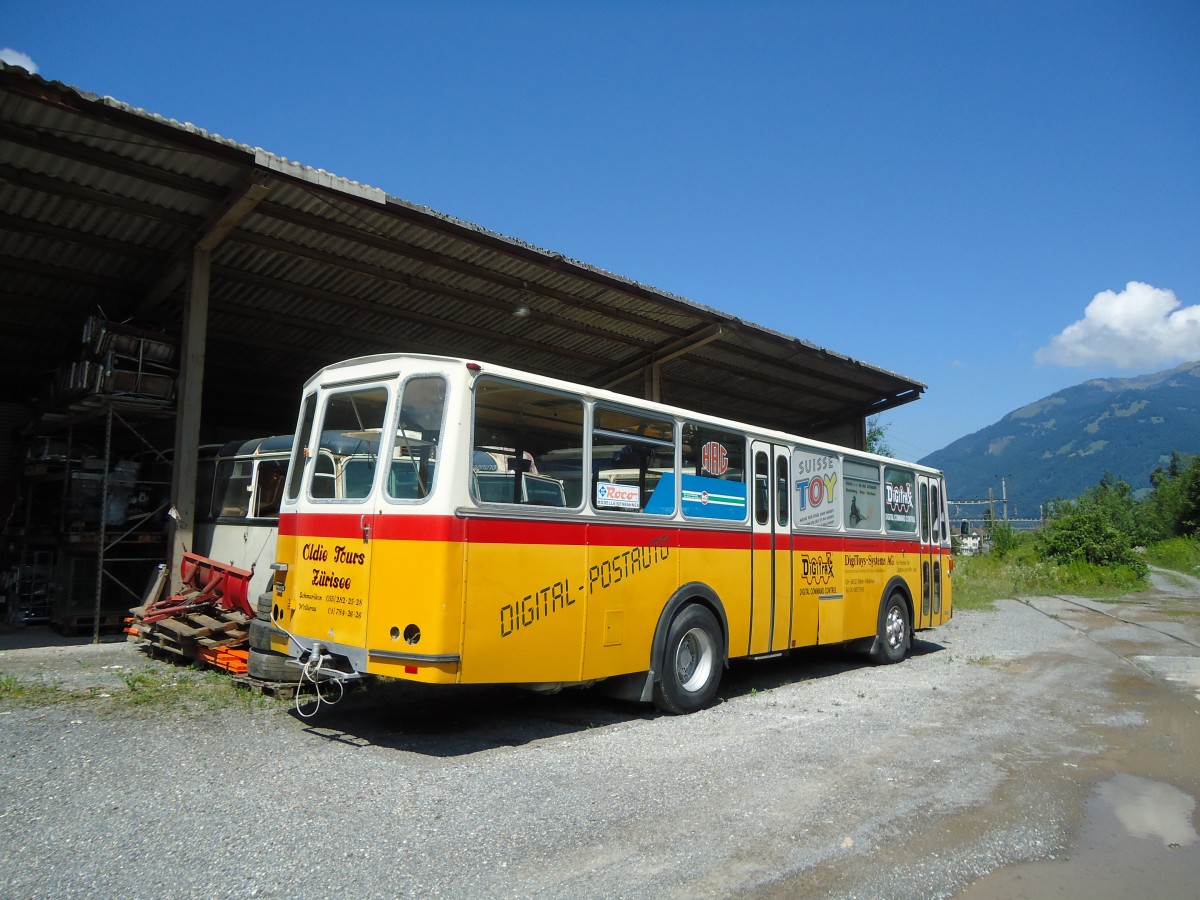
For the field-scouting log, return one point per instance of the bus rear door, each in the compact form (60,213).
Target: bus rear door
(338,522)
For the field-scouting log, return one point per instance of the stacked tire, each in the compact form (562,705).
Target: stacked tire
(264,663)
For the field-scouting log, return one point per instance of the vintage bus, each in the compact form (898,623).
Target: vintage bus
(503,527)
(238,489)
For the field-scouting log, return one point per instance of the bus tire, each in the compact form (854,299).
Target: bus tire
(691,663)
(267,665)
(261,634)
(894,634)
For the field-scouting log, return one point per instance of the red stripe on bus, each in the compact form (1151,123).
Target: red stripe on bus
(321,525)
(348,526)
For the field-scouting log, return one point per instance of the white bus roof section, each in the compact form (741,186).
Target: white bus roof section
(102,206)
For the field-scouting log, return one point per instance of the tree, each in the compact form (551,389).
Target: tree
(1172,508)
(877,441)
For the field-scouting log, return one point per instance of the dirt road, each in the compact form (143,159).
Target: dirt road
(1044,749)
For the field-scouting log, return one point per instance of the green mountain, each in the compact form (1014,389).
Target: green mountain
(1063,444)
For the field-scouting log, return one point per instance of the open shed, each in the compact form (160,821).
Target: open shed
(264,270)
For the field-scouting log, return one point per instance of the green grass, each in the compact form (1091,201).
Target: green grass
(1180,553)
(15,692)
(979,581)
(153,689)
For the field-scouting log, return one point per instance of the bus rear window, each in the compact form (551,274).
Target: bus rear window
(349,445)
(418,433)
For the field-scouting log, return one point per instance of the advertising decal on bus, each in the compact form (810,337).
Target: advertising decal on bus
(862,495)
(899,507)
(817,484)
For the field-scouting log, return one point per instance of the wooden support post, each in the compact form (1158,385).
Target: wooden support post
(653,385)
(188,399)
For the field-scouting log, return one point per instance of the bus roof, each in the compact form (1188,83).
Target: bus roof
(381,365)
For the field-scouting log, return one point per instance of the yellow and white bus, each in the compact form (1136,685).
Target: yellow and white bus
(453,522)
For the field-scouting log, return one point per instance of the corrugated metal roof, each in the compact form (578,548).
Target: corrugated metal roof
(101,202)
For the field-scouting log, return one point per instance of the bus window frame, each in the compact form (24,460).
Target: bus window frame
(913,484)
(343,459)
(396,407)
(471,446)
(745,481)
(617,436)
(877,505)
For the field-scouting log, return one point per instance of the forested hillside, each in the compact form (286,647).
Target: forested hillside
(1064,443)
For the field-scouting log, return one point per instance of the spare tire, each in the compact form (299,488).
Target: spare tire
(261,634)
(267,665)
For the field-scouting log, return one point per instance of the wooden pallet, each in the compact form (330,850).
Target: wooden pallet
(110,623)
(207,634)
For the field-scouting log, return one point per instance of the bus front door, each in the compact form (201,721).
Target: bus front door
(771,553)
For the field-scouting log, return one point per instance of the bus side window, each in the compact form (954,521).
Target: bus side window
(269,487)
(860,494)
(324,486)
(900,502)
(528,445)
(234,481)
(633,462)
(713,473)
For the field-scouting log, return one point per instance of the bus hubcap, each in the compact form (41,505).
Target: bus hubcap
(694,659)
(895,627)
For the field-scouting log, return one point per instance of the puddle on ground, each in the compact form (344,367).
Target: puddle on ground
(1183,670)
(1136,833)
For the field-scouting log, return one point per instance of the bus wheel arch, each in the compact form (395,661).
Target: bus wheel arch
(894,629)
(689,651)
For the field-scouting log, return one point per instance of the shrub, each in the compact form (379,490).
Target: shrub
(1085,531)
(1004,539)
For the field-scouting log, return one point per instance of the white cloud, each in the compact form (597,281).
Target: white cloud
(17,58)
(1138,327)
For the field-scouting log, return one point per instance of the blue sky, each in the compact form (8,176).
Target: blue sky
(997,199)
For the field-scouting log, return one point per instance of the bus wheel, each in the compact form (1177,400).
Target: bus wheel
(691,664)
(893,635)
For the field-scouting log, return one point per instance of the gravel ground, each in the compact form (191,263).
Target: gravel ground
(815,775)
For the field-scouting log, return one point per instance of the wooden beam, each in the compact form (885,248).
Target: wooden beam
(188,400)
(666,353)
(218,226)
